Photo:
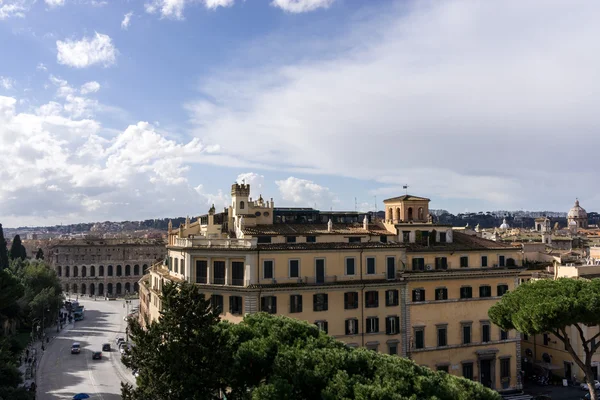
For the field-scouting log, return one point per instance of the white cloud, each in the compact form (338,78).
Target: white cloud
(255,180)
(55,3)
(7,83)
(87,51)
(174,8)
(301,6)
(14,8)
(89,87)
(306,193)
(126,20)
(219,199)
(438,95)
(41,67)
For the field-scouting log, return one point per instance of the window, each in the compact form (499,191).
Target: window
(391,268)
(264,239)
(294,268)
(383,238)
(442,237)
(505,368)
(501,289)
(441,294)
(467,371)
(176,266)
(391,297)
(351,326)
(219,272)
(201,271)
(392,325)
(241,205)
(464,262)
(418,295)
(442,339)
(485,332)
(546,339)
(419,338)
(354,239)
(441,263)
(237,273)
(268,269)
(235,305)
(370,265)
(170,263)
(350,300)
(295,303)
(418,264)
(216,302)
(372,299)
(350,264)
(290,239)
(393,349)
(525,336)
(504,335)
(501,261)
(406,236)
(320,302)
(268,304)
(484,261)
(322,325)
(372,325)
(442,368)
(466,292)
(466,333)
(485,291)
(311,239)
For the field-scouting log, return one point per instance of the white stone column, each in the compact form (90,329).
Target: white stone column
(188,268)
(251,264)
(209,270)
(227,279)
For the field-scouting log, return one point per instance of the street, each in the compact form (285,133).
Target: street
(62,374)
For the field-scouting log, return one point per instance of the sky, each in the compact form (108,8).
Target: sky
(138,109)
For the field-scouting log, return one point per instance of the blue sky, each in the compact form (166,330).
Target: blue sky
(113,110)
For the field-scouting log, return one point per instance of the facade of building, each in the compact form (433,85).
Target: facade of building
(402,286)
(98,267)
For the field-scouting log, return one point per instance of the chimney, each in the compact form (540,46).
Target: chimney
(329,226)
(366,224)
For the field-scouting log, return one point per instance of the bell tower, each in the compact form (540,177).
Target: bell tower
(240,193)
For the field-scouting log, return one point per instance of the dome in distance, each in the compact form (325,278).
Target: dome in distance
(577,211)
(504,224)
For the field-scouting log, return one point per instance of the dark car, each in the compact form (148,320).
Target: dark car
(106,347)
(97,355)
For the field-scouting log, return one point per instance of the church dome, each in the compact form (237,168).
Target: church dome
(504,224)
(577,211)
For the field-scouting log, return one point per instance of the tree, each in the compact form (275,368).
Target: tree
(183,354)
(3,250)
(42,288)
(40,254)
(17,250)
(560,307)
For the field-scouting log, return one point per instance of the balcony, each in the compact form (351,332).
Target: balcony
(215,243)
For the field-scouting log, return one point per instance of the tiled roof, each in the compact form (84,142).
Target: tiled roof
(462,242)
(406,197)
(327,246)
(315,229)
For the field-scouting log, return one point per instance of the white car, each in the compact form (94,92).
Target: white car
(584,386)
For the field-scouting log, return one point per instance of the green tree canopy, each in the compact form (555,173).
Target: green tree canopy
(553,306)
(17,250)
(3,250)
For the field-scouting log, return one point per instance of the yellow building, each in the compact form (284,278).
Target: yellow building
(401,286)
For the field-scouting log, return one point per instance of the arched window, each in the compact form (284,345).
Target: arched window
(397,216)
(101,270)
(100,289)
(241,205)
(127,287)
(119,270)
(421,216)
(83,288)
(127,270)
(136,269)
(118,288)
(389,214)
(83,271)
(109,288)
(67,271)
(136,287)
(510,262)
(59,270)
(410,213)
(74,288)
(75,271)
(92,271)
(145,269)
(92,289)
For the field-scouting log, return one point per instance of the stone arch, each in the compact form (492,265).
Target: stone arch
(75,270)
(127,270)
(127,287)
(83,288)
(144,269)
(100,289)
(119,286)
(101,270)
(389,214)
(421,215)
(410,214)
(109,288)
(83,271)
(67,271)
(74,290)
(59,270)
(119,270)
(242,205)
(397,214)
(136,270)
(92,270)
(136,287)
(92,289)
(109,272)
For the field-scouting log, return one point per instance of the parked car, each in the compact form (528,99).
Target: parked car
(76,348)
(122,349)
(584,385)
(123,344)
(97,355)
(119,340)
(106,347)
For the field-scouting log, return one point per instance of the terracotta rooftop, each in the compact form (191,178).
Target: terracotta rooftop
(315,229)
(327,246)
(406,197)
(462,242)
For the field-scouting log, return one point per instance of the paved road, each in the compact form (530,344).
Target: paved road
(62,374)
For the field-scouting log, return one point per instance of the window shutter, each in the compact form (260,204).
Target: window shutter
(315,302)
(346,301)
(388,325)
(414,295)
(397,324)
(326,304)
(325,327)
(231,298)
(299,303)
(347,326)
(376,298)
(263,304)
(274,308)
(355,302)
(376,324)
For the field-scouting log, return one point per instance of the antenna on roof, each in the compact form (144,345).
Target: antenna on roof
(405,187)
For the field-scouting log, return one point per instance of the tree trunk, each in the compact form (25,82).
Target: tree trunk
(589,375)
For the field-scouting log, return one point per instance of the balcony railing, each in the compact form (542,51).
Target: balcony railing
(215,243)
